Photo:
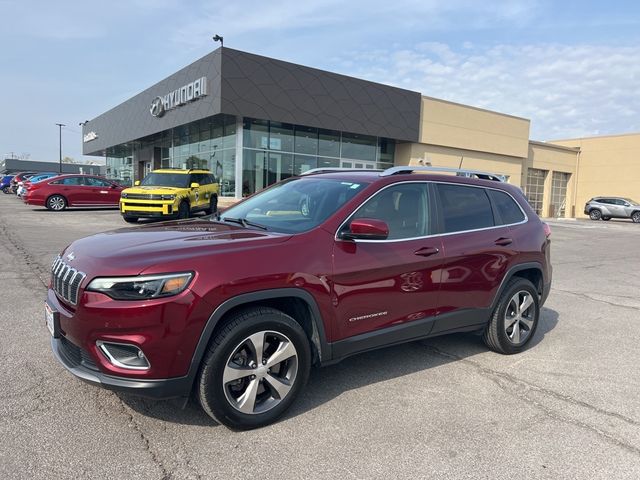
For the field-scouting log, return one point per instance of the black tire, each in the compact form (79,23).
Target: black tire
(635,217)
(183,210)
(606,219)
(216,397)
(595,214)
(213,205)
(130,219)
(6,190)
(496,336)
(56,202)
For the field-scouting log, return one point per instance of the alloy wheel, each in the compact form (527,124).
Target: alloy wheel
(636,217)
(595,214)
(56,203)
(260,372)
(519,317)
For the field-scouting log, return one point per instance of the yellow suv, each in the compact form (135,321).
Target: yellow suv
(170,193)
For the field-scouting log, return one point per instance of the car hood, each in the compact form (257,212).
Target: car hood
(130,251)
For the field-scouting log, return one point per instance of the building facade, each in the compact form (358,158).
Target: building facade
(254,120)
(15,165)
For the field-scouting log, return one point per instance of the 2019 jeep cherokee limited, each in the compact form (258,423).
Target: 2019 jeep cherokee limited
(236,308)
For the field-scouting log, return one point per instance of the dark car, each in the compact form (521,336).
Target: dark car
(62,191)
(5,183)
(236,308)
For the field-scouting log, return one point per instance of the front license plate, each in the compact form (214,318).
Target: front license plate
(50,319)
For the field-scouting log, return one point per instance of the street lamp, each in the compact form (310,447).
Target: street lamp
(60,125)
(218,38)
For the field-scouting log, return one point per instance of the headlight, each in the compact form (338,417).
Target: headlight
(142,287)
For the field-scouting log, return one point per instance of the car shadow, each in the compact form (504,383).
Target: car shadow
(325,384)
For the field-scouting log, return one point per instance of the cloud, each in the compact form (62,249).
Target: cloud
(566,90)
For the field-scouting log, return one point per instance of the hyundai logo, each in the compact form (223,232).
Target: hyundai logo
(157,107)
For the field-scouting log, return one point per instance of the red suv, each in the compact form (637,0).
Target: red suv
(236,308)
(58,193)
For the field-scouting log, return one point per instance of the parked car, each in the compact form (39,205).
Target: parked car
(606,208)
(170,193)
(22,186)
(5,183)
(62,191)
(19,177)
(237,307)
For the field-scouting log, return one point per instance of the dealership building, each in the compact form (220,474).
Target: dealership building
(254,120)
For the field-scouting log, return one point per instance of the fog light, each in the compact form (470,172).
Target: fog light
(124,355)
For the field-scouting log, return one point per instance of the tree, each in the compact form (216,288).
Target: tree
(68,160)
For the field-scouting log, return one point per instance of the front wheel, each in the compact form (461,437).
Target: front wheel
(183,210)
(56,203)
(595,214)
(635,217)
(6,190)
(515,318)
(254,368)
(130,219)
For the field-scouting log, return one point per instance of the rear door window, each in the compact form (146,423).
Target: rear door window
(464,208)
(506,207)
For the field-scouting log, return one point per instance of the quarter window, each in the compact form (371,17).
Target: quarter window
(402,207)
(508,210)
(464,208)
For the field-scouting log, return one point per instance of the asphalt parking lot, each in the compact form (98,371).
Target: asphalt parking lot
(568,407)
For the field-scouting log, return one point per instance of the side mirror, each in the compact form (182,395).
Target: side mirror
(136,183)
(366,229)
(195,185)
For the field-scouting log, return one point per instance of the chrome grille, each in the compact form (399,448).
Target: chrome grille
(66,280)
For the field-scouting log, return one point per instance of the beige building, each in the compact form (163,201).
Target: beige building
(558,177)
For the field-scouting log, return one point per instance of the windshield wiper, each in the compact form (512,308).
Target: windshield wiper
(244,222)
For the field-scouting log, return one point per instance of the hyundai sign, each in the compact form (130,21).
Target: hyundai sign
(180,96)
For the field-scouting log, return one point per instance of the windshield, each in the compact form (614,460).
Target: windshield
(178,180)
(632,202)
(296,205)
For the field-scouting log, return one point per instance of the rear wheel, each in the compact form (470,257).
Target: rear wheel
(595,214)
(183,210)
(635,217)
(515,318)
(130,219)
(6,190)
(254,368)
(56,203)
(213,205)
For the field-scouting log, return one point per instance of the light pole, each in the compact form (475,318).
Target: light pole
(218,38)
(60,125)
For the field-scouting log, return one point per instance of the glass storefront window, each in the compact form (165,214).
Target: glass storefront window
(281,137)
(302,163)
(328,143)
(306,140)
(386,150)
(256,133)
(359,147)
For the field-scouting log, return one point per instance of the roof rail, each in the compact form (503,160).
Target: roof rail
(460,172)
(314,171)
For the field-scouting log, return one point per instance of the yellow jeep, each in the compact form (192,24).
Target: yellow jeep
(170,193)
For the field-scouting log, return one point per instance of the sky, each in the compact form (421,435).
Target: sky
(572,67)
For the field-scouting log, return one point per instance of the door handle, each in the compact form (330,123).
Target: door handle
(503,241)
(426,251)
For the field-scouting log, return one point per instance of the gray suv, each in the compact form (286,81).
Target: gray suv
(606,208)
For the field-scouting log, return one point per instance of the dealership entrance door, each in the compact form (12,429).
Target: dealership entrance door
(147,159)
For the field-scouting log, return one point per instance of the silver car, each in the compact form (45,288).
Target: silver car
(606,208)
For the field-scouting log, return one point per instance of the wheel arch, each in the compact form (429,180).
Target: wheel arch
(531,271)
(66,200)
(295,302)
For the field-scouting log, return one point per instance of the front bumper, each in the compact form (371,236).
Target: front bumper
(150,209)
(163,388)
